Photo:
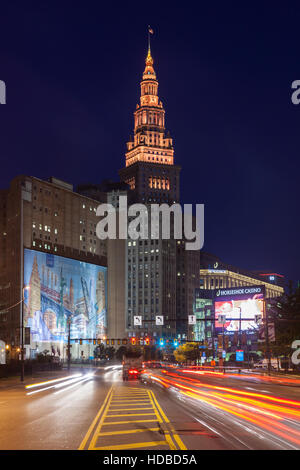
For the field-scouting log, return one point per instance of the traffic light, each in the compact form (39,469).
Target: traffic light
(80,341)
(107,342)
(161,341)
(133,341)
(112,341)
(147,341)
(99,341)
(175,342)
(124,341)
(94,341)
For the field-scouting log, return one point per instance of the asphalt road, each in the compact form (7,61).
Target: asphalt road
(168,410)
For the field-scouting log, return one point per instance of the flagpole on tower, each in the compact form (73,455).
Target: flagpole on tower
(148,37)
(150,31)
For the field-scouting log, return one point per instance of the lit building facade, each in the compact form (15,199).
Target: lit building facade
(49,218)
(152,177)
(216,275)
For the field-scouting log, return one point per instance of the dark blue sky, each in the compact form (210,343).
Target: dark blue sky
(72,71)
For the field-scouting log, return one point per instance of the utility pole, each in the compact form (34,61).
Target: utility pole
(240,329)
(267,337)
(22,332)
(69,342)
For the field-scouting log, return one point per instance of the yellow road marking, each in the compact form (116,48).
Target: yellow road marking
(118,402)
(127,399)
(95,436)
(131,414)
(134,445)
(129,409)
(85,439)
(128,431)
(133,421)
(174,434)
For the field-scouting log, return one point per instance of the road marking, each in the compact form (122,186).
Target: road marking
(128,409)
(134,445)
(85,439)
(175,435)
(119,403)
(128,431)
(131,421)
(131,414)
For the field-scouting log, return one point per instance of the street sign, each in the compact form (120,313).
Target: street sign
(2,352)
(137,320)
(27,335)
(222,319)
(159,320)
(192,320)
(239,356)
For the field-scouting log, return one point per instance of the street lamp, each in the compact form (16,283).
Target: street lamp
(69,321)
(22,333)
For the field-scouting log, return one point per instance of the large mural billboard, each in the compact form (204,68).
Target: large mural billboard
(62,290)
(240,306)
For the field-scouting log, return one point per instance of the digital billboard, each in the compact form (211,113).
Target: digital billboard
(240,306)
(61,290)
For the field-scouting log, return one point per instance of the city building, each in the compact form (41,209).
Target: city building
(187,280)
(109,192)
(217,277)
(215,274)
(160,274)
(43,225)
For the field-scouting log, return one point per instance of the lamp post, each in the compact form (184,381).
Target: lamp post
(69,321)
(265,312)
(22,333)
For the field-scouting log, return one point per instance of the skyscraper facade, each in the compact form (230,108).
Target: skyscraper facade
(152,286)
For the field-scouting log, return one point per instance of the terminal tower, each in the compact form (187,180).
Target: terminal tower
(150,171)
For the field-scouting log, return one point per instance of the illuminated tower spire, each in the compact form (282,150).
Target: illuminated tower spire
(150,169)
(150,143)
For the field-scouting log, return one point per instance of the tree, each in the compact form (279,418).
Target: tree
(285,314)
(120,352)
(187,352)
(110,352)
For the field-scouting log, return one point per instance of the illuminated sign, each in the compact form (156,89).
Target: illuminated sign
(62,290)
(239,308)
(217,271)
(239,356)
(240,291)
(137,320)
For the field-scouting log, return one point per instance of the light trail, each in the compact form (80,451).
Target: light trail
(53,381)
(270,413)
(74,380)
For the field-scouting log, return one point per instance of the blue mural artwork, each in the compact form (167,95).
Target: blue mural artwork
(62,290)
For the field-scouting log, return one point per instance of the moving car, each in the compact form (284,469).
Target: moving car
(132,367)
